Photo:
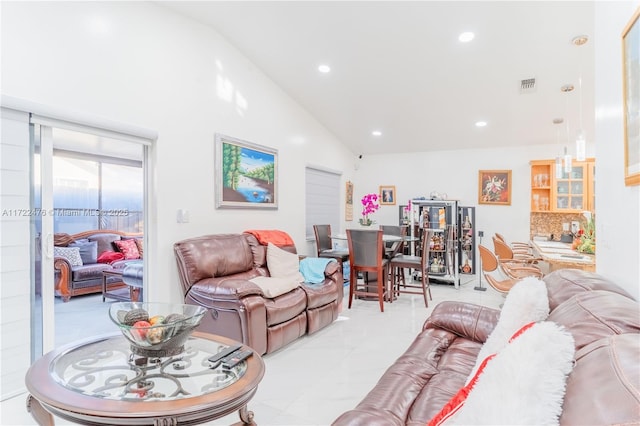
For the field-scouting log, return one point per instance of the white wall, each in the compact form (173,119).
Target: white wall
(617,205)
(141,64)
(456,174)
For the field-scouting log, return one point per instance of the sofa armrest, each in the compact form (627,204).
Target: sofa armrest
(62,268)
(333,272)
(224,289)
(467,320)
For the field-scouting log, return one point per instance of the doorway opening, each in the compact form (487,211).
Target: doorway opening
(89,187)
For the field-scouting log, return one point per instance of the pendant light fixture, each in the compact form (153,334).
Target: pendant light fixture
(558,157)
(567,161)
(567,166)
(581,140)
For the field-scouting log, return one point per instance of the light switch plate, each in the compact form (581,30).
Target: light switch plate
(183,216)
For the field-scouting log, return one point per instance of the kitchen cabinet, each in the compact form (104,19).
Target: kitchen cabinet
(571,192)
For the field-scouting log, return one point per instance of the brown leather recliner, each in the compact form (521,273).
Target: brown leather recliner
(215,271)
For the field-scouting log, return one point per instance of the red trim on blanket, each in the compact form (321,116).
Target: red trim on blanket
(458,400)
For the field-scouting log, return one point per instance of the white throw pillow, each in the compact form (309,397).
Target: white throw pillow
(283,264)
(525,383)
(526,302)
(72,254)
(273,287)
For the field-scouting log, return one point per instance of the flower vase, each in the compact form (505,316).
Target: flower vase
(365,221)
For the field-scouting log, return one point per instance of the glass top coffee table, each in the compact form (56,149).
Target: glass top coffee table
(100,382)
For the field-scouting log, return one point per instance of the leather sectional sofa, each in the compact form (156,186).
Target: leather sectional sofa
(215,271)
(603,388)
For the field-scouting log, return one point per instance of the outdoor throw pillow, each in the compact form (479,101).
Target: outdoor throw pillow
(128,248)
(110,257)
(88,250)
(140,247)
(283,264)
(72,254)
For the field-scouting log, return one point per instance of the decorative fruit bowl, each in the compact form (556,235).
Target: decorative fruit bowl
(156,329)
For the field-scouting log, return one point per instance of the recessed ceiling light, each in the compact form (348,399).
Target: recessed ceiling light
(466,37)
(580,40)
(376,133)
(324,68)
(481,123)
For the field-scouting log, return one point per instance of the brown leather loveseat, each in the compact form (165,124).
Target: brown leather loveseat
(215,271)
(603,388)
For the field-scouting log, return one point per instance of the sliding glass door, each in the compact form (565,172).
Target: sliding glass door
(42,291)
(81,182)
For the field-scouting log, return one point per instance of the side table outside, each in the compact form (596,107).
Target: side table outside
(123,291)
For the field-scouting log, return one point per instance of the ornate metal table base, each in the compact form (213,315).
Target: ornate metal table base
(100,382)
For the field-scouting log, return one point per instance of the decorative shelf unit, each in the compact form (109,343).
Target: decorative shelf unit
(467,240)
(440,218)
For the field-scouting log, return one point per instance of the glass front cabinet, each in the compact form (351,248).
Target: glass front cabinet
(564,192)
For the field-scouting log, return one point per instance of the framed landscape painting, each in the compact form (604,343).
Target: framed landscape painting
(494,187)
(246,174)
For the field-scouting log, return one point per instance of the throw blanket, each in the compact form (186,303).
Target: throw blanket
(312,269)
(273,236)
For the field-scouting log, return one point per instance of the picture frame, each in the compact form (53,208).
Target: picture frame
(348,208)
(631,99)
(494,187)
(387,195)
(246,174)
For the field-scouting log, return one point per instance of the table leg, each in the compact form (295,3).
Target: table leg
(104,287)
(37,411)
(246,416)
(134,294)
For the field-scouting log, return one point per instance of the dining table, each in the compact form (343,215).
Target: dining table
(385,237)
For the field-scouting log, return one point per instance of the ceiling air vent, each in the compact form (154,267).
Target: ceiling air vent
(528,85)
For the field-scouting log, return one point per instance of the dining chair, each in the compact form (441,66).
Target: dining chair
(420,263)
(495,273)
(516,246)
(324,247)
(366,255)
(393,248)
(515,265)
(506,253)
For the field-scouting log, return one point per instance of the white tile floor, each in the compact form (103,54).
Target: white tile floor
(316,378)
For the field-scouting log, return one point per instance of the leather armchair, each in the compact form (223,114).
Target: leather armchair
(214,273)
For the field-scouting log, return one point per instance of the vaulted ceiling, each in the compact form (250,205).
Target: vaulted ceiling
(399,68)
